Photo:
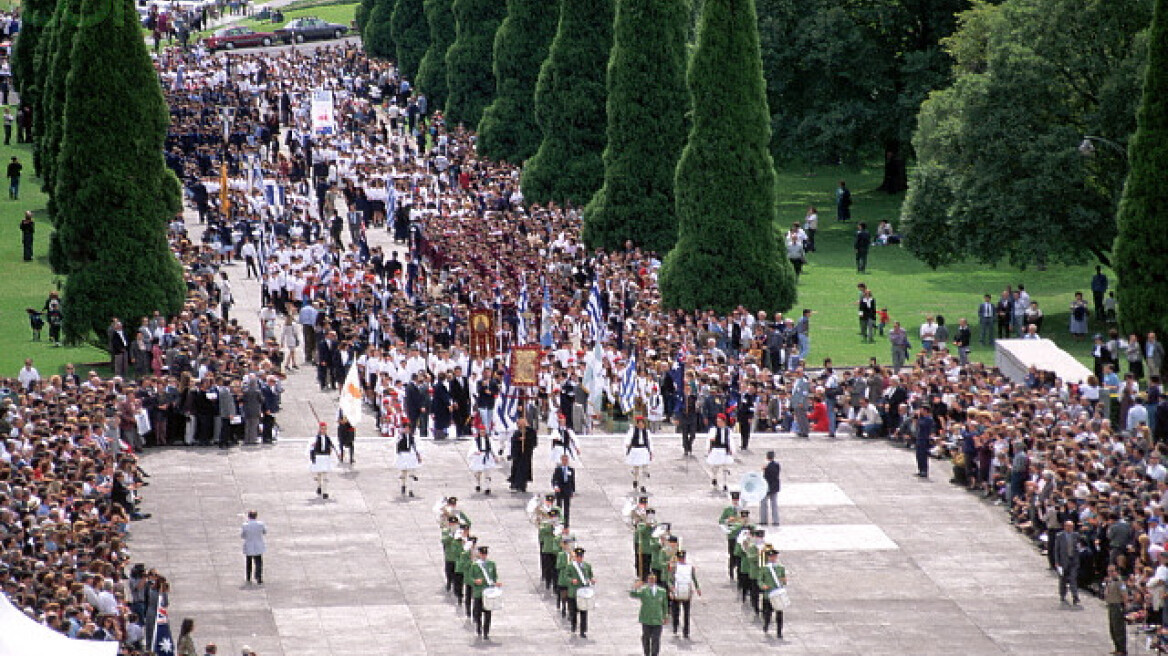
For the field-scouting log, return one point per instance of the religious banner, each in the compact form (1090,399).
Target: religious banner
(482,333)
(525,366)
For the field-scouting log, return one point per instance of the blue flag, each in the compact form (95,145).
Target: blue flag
(163,643)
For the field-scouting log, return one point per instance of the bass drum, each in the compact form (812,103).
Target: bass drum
(493,598)
(779,599)
(586,598)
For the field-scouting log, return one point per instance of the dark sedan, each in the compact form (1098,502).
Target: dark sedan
(310,28)
(230,38)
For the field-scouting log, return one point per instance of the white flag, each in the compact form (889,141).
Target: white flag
(352,397)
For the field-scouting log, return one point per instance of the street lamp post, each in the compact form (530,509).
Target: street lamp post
(1087,147)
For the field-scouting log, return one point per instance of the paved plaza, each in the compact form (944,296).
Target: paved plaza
(879,561)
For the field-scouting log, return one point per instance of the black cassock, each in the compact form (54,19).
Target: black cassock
(523,443)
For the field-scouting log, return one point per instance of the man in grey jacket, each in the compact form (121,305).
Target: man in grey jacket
(1066,561)
(800,395)
(252,533)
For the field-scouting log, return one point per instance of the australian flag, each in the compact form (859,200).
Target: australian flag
(677,373)
(163,643)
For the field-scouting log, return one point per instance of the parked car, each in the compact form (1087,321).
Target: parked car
(310,28)
(230,38)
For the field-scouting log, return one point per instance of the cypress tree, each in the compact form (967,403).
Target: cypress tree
(569,106)
(432,71)
(1141,285)
(361,15)
(115,194)
(377,37)
(727,253)
(35,15)
(469,84)
(508,131)
(647,104)
(411,35)
(56,62)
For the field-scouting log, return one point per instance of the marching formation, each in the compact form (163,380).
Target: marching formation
(470,573)
(563,570)
(754,565)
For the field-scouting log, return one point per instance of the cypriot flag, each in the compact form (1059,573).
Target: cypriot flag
(351,397)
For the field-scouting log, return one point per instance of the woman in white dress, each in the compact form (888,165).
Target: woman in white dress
(481,459)
(639,451)
(656,410)
(563,441)
(720,456)
(408,459)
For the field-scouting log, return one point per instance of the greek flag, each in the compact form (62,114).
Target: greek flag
(506,408)
(628,390)
(545,337)
(521,325)
(596,313)
(274,194)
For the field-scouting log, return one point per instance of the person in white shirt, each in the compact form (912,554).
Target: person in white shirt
(28,376)
(1155,470)
(252,533)
(928,333)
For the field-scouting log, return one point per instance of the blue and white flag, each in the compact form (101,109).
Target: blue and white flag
(628,390)
(596,313)
(521,325)
(163,642)
(274,194)
(506,407)
(545,335)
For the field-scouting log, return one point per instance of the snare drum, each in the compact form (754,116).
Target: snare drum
(493,598)
(585,598)
(779,599)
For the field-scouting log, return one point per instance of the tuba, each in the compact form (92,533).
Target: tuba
(627,512)
(754,487)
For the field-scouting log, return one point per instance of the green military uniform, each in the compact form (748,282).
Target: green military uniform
(742,561)
(570,579)
(728,513)
(563,556)
(644,543)
(482,575)
(682,582)
(548,545)
(771,576)
(654,608)
(451,545)
(462,572)
(751,564)
(662,556)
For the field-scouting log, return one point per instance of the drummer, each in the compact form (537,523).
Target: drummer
(772,579)
(639,452)
(564,441)
(574,577)
(320,453)
(483,576)
(481,460)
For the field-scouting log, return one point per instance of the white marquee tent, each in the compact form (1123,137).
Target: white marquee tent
(21,636)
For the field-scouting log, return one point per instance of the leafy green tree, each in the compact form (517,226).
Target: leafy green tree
(432,71)
(377,37)
(361,15)
(411,35)
(1143,210)
(35,93)
(569,107)
(115,194)
(469,83)
(508,132)
(647,104)
(35,14)
(845,79)
(727,252)
(999,174)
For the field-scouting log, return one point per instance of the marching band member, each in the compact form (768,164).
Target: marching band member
(483,576)
(320,454)
(773,577)
(577,575)
(450,549)
(682,583)
(564,548)
(720,456)
(730,520)
(639,452)
(408,460)
(462,573)
(547,548)
(643,542)
(654,607)
(481,459)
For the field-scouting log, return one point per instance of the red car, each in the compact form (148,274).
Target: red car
(230,38)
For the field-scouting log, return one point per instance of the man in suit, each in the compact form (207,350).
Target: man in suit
(324,359)
(985,320)
(800,398)
(252,534)
(1066,561)
(746,415)
(1153,356)
(924,439)
(1102,356)
(770,505)
(416,401)
(564,485)
(119,348)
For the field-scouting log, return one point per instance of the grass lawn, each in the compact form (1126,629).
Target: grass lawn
(27,284)
(333,13)
(909,289)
